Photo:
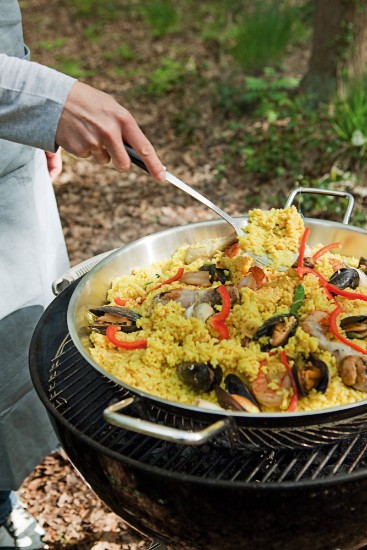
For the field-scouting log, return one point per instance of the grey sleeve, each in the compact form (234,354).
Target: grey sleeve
(32,97)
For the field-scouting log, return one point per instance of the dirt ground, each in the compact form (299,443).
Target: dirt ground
(102,209)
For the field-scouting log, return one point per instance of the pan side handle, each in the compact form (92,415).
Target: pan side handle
(159,431)
(331,192)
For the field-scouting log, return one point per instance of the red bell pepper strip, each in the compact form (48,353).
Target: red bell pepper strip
(351,295)
(111,336)
(222,328)
(302,270)
(293,404)
(175,277)
(302,247)
(119,301)
(324,249)
(218,321)
(335,330)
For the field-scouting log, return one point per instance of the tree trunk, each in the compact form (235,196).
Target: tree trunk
(339,47)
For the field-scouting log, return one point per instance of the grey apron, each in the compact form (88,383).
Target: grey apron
(32,256)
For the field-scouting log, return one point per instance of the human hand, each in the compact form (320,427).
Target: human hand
(54,163)
(93,123)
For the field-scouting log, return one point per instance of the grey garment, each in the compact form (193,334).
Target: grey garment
(31,96)
(11,33)
(11,42)
(32,256)
(31,101)
(26,435)
(32,247)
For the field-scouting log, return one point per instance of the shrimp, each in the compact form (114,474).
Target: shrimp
(267,396)
(320,318)
(254,279)
(232,251)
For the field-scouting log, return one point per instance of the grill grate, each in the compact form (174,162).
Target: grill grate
(84,409)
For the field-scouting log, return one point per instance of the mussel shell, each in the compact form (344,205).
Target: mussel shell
(234,384)
(355,326)
(119,311)
(125,318)
(239,399)
(346,277)
(311,373)
(201,377)
(226,400)
(215,273)
(124,328)
(268,328)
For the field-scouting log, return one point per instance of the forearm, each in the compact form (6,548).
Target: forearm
(32,98)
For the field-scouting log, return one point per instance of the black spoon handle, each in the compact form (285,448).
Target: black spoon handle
(135,159)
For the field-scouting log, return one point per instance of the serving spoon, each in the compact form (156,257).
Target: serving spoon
(237,224)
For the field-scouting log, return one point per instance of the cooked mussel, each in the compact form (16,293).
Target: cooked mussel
(355,326)
(215,273)
(205,276)
(311,373)
(279,329)
(236,396)
(122,317)
(346,277)
(362,264)
(201,377)
(353,371)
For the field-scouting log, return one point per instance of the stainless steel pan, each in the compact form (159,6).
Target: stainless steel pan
(264,429)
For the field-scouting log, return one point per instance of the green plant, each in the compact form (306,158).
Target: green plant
(326,206)
(164,77)
(73,67)
(267,96)
(51,45)
(160,15)
(350,116)
(93,32)
(104,9)
(262,33)
(123,53)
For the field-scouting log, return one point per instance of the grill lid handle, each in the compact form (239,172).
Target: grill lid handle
(157,430)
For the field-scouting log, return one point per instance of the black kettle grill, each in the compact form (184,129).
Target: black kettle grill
(209,497)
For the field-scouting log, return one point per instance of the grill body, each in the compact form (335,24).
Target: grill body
(193,513)
(197,497)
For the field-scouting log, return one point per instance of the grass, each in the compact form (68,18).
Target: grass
(169,73)
(52,45)
(350,115)
(161,16)
(261,35)
(73,67)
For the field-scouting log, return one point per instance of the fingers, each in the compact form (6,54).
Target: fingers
(54,164)
(135,137)
(132,134)
(93,124)
(101,156)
